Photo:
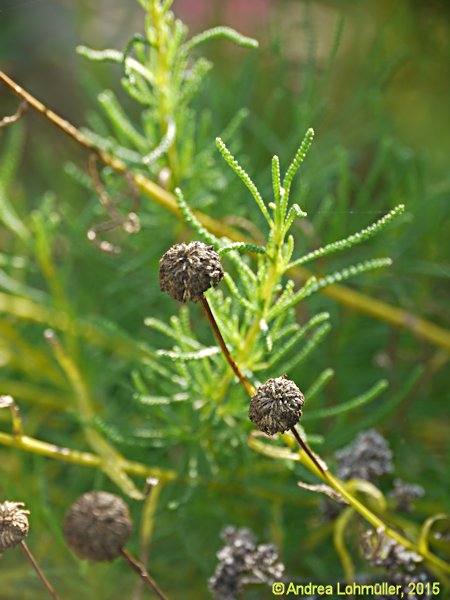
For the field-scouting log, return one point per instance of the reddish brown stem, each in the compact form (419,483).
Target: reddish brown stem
(304,446)
(52,116)
(248,387)
(143,573)
(38,570)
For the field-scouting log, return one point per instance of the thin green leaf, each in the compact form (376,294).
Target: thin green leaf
(241,246)
(344,407)
(221,32)
(288,301)
(234,290)
(295,338)
(352,240)
(192,220)
(276,179)
(199,355)
(120,121)
(347,273)
(294,166)
(310,345)
(294,211)
(110,55)
(318,385)
(233,163)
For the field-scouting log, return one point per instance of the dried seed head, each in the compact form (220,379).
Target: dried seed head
(276,406)
(404,495)
(13,524)
(367,457)
(402,568)
(242,562)
(97,526)
(188,270)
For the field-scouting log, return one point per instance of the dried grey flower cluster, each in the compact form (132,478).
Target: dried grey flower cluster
(13,524)
(186,271)
(242,562)
(97,526)
(368,457)
(401,566)
(276,406)
(404,495)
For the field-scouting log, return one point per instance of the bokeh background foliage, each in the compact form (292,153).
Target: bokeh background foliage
(371,79)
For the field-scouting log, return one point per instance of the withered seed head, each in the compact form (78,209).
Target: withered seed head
(186,271)
(97,526)
(13,524)
(276,406)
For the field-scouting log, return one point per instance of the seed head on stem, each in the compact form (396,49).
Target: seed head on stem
(97,526)
(14,528)
(186,271)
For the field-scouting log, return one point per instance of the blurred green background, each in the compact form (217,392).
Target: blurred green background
(379,106)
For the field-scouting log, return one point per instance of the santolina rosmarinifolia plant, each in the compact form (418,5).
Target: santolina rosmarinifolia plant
(255,324)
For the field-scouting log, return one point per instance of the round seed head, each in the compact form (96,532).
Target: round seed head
(97,526)
(276,406)
(13,524)
(186,271)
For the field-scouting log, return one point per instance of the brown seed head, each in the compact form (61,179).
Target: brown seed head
(97,526)
(186,271)
(276,406)
(13,524)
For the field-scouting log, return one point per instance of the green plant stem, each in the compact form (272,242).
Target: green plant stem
(379,524)
(419,327)
(84,459)
(147,524)
(38,570)
(112,463)
(143,574)
(163,86)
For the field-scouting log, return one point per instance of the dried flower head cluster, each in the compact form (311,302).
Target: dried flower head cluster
(13,524)
(97,526)
(404,495)
(368,457)
(401,566)
(186,271)
(276,406)
(242,562)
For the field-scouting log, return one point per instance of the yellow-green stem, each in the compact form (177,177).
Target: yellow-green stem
(83,459)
